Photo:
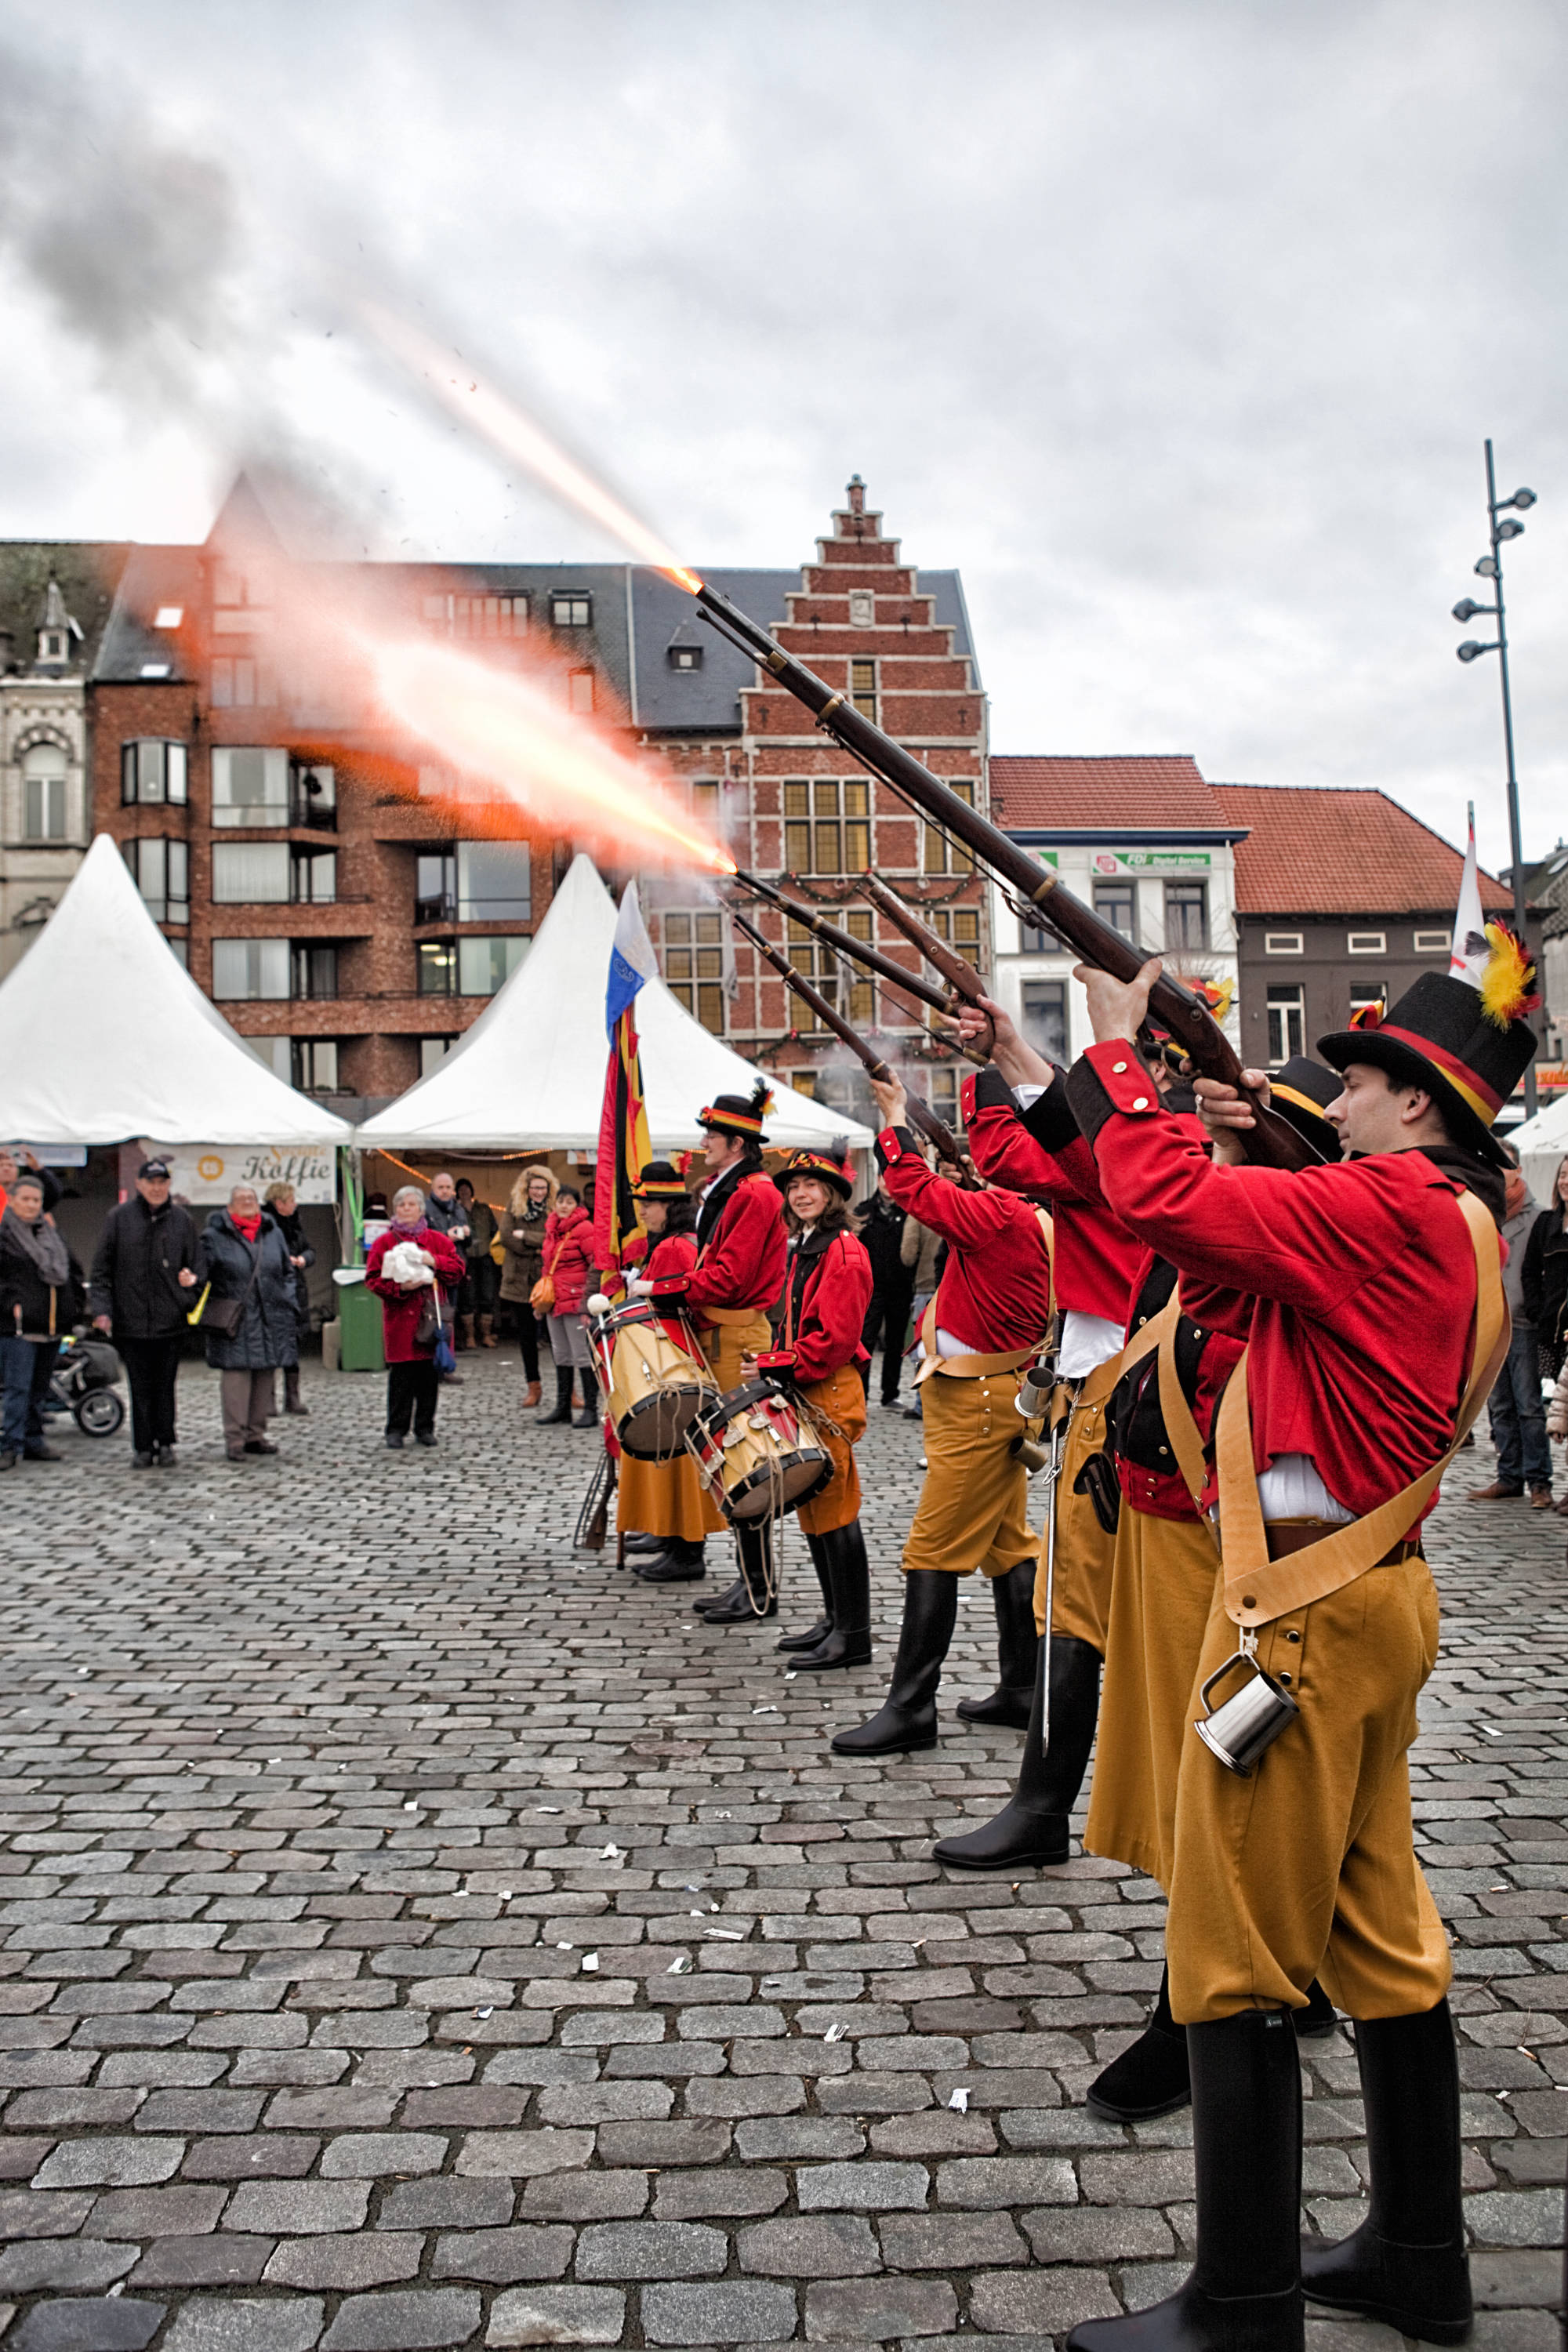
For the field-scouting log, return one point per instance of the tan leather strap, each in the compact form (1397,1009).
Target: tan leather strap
(1177,1415)
(715,1315)
(1256,1589)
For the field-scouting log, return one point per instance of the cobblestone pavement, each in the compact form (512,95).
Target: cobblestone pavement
(413,1934)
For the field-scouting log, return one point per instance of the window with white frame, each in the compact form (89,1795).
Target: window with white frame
(250,969)
(1432,942)
(250,786)
(485,965)
(849,991)
(828,827)
(153,772)
(1286,1021)
(1044,1006)
(44,773)
(863,688)
(1284,943)
(314,1065)
(1186,916)
(939,855)
(694,965)
(315,969)
(1116,903)
(160,870)
(570,609)
(1366,943)
(250,873)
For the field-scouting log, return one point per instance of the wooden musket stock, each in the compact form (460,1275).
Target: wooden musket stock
(1041,900)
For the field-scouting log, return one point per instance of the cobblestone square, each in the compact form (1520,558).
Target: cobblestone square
(416,1933)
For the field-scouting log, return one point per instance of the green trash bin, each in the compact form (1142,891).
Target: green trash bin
(359,1320)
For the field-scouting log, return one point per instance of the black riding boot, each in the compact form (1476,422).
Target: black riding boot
(753,1596)
(1032,1827)
(589,1416)
(1017,1646)
(1150,2077)
(848,1642)
(721,1603)
(562,1412)
(1406,2263)
(1245,2291)
(679,1563)
(907,1716)
(817,1633)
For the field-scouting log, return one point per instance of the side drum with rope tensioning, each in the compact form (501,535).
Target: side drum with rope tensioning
(654,1386)
(757,1453)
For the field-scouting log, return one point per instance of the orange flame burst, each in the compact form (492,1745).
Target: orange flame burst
(499,421)
(505,729)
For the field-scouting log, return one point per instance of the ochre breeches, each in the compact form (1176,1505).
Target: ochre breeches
(1080,1603)
(1162,1588)
(723,1345)
(974,1508)
(839,1404)
(1309,1868)
(661,1498)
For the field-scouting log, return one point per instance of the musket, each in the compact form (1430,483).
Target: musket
(961,978)
(920,1114)
(1041,900)
(845,943)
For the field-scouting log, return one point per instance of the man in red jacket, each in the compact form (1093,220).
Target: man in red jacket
(990,1308)
(1369,1296)
(738,1275)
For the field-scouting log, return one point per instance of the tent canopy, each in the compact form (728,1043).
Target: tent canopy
(1542,1143)
(531,1070)
(104,1037)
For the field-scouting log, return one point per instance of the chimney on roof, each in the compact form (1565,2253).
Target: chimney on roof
(857,495)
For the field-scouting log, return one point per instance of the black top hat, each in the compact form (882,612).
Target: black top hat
(1302,1092)
(739,1115)
(659,1182)
(819,1164)
(1469,1046)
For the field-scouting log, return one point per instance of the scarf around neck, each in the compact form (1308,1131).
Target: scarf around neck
(41,1243)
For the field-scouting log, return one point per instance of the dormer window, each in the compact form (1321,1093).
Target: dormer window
(684,657)
(51,644)
(56,628)
(573,611)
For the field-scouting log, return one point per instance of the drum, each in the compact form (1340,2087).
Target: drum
(757,1452)
(653,1386)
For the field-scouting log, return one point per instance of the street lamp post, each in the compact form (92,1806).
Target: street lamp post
(1503,526)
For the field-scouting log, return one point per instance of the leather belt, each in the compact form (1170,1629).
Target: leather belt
(1286,1536)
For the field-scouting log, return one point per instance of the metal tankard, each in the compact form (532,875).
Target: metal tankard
(1239,1729)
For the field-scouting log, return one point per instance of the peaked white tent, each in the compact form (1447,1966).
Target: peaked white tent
(104,1037)
(1542,1143)
(531,1071)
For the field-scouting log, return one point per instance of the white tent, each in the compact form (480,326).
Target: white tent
(105,1038)
(1542,1143)
(531,1071)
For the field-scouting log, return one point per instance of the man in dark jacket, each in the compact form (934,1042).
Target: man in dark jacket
(37,1301)
(881,1224)
(143,1271)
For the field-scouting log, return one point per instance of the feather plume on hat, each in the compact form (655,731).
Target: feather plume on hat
(1508,982)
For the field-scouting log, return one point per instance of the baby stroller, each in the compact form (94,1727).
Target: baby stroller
(83,1385)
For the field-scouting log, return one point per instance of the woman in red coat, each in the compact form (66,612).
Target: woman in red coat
(827,1288)
(664,1501)
(413,1383)
(568,1263)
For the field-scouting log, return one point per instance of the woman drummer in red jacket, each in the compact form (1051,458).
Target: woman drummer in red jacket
(661,1511)
(827,1289)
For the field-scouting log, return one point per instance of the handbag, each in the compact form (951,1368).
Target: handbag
(225,1316)
(542,1297)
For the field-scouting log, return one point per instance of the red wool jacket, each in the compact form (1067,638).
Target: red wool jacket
(669,1253)
(741,1264)
(826,1294)
(568,1257)
(400,1307)
(1357,1279)
(995,1295)
(1146,1459)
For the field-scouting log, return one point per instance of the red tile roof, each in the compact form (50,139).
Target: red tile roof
(1030,794)
(1319,850)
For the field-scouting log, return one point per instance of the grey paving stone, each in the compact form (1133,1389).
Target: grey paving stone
(558,2315)
(697,2196)
(296,2207)
(69,2265)
(236,2324)
(787,2139)
(447,2203)
(650,2249)
(503,2256)
(1516,2217)
(1044,2303)
(404,2321)
(344,2264)
(110,2163)
(989,2181)
(734,2312)
(177,2212)
(585,2197)
(516,2154)
(874,2309)
(949,2241)
(688,2140)
(220,2261)
(32,2213)
(867,2187)
(835,2245)
(123,2325)
(284,2155)
(366,2156)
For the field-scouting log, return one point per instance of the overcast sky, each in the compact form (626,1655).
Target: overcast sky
(1177,327)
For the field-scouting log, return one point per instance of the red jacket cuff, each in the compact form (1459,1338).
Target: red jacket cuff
(777,1359)
(669,1286)
(1108,1078)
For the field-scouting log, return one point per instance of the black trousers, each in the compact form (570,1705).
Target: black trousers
(480,1286)
(527,1339)
(887,1318)
(152,1367)
(411,1393)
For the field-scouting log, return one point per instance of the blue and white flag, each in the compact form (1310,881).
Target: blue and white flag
(632,960)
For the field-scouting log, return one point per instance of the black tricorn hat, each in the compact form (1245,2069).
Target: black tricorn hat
(1469,1046)
(738,1114)
(820,1164)
(659,1182)
(1302,1092)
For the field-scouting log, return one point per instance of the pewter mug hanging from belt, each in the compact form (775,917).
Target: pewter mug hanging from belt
(1239,1729)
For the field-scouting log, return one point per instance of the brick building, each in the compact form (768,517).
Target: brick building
(351,914)
(1341,897)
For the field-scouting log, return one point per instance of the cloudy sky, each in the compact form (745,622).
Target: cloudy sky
(1178,327)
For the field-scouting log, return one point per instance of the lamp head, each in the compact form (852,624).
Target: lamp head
(1522,499)
(1470,649)
(1511,529)
(1487,567)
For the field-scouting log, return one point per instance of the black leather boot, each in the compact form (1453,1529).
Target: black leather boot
(907,1716)
(753,1596)
(1017,1647)
(848,1644)
(1032,1827)
(589,1416)
(1150,2077)
(679,1563)
(818,1633)
(721,1601)
(1406,2263)
(1245,2291)
(562,1412)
